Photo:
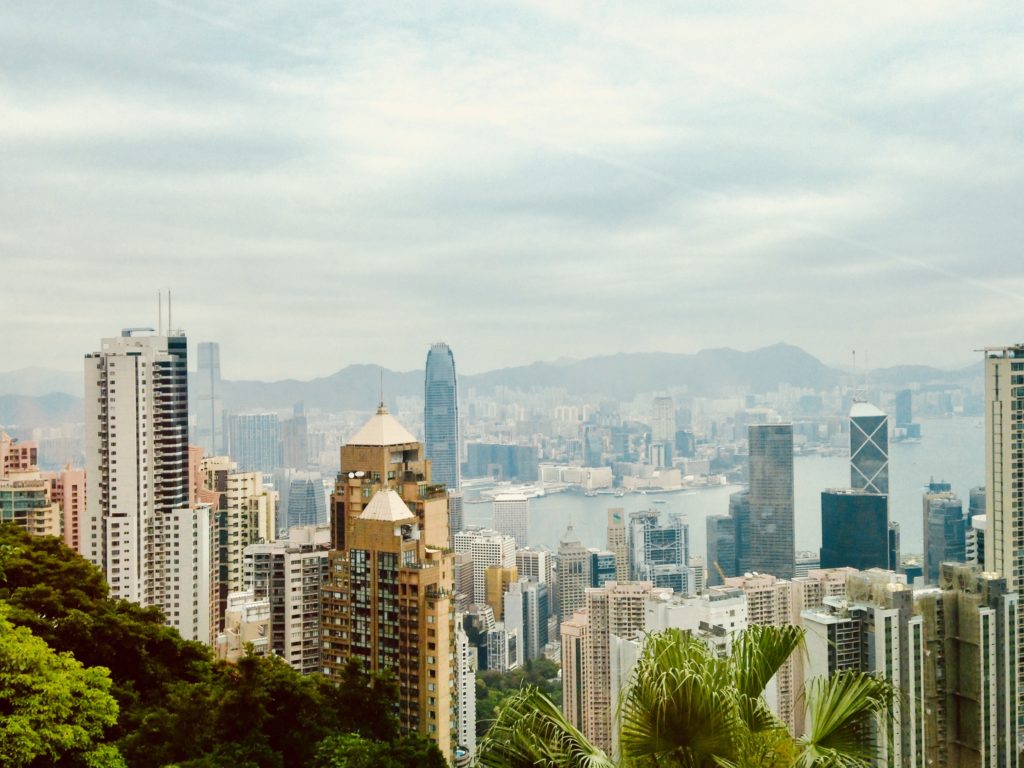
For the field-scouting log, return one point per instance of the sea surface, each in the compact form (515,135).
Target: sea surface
(951,449)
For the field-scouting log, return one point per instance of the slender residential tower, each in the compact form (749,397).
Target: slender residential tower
(441,416)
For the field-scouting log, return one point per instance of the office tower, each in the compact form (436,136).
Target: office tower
(869,448)
(945,532)
(136,446)
(602,567)
(295,439)
(289,573)
(573,574)
(462,581)
(663,420)
(503,649)
(501,461)
(525,611)
(389,608)
(254,441)
(533,564)
(497,580)
(807,562)
(721,542)
(511,516)
(764,535)
(895,558)
(855,529)
(302,498)
(456,515)
(976,502)
(618,543)
(465,671)
(487,548)
(593,445)
(209,405)
(904,408)
(613,610)
(653,544)
(441,416)
(246,627)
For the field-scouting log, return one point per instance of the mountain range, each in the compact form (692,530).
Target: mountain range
(40,396)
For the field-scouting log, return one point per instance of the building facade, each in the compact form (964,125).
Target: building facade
(511,516)
(441,416)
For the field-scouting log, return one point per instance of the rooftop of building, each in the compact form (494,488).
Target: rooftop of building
(864,409)
(382,429)
(388,506)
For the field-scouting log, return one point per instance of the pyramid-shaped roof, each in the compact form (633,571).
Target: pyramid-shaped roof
(387,505)
(382,429)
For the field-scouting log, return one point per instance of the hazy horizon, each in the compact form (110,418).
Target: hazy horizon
(321,185)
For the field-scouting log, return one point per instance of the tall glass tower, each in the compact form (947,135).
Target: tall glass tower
(441,416)
(869,448)
(764,536)
(208,403)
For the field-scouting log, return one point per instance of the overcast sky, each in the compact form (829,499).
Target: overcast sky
(325,183)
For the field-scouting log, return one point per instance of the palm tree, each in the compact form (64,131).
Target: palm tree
(685,707)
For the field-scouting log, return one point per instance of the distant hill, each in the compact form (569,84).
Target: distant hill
(40,381)
(42,411)
(621,376)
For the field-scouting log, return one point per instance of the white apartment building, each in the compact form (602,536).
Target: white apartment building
(290,573)
(465,672)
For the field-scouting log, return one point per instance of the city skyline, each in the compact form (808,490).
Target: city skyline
(771,166)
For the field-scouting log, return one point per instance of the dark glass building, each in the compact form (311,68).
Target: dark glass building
(764,529)
(441,416)
(869,448)
(855,530)
(721,538)
(945,532)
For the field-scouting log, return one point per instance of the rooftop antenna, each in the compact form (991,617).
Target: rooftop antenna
(169,326)
(860,395)
(381,407)
(160,311)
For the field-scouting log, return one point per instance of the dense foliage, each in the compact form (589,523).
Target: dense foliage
(686,707)
(494,688)
(175,705)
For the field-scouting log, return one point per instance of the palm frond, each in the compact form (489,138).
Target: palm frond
(840,709)
(757,655)
(531,731)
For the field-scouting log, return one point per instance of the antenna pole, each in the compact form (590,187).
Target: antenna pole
(169,326)
(160,311)
(382,387)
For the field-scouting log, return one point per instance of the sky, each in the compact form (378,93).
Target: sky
(327,183)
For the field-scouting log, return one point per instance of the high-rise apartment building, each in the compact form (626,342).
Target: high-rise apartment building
(525,610)
(465,670)
(456,515)
(254,441)
(441,416)
(488,548)
(136,446)
(290,574)
(388,598)
(869,448)
(27,502)
(390,608)
(618,542)
(573,574)
(1004,475)
(209,405)
(533,564)
(855,530)
(612,610)
(511,516)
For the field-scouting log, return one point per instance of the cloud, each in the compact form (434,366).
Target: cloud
(324,184)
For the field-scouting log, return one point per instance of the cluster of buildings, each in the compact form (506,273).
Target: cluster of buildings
(230,533)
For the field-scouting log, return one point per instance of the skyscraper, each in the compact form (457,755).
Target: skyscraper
(945,532)
(765,538)
(488,549)
(254,441)
(511,516)
(209,404)
(618,542)
(869,448)
(721,540)
(136,449)
(573,574)
(855,530)
(441,416)
(1004,495)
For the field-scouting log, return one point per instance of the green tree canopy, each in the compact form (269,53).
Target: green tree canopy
(53,711)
